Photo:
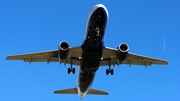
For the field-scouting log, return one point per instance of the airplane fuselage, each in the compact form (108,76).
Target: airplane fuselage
(92,48)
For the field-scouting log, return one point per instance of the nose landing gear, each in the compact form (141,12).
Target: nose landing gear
(98,30)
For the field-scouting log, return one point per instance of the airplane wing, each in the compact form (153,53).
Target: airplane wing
(76,52)
(109,56)
(49,56)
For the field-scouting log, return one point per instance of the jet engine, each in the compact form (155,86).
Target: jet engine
(63,50)
(122,52)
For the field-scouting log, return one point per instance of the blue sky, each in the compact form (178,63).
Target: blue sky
(149,27)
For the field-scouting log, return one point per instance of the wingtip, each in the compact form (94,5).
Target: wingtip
(7,58)
(166,62)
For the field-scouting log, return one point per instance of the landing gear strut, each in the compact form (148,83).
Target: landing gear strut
(109,70)
(71,69)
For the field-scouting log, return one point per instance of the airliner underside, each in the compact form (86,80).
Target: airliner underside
(91,55)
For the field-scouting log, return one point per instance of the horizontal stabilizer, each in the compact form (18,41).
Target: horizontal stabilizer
(97,92)
(66,91)
(74,91)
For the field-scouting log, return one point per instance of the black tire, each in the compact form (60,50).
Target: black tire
(73,70)
(69,70)
(107,71)
(112,71)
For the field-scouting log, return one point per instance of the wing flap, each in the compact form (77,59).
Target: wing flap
(41,60)
(106,63)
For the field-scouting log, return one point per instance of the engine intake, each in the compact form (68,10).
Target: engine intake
(122,52)
(63,50)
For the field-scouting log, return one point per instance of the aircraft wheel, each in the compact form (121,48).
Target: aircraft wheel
(69,70)
(73,70)
(112,71)
(107,71)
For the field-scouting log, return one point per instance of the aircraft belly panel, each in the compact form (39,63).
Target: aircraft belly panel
(90,61)
(85,81)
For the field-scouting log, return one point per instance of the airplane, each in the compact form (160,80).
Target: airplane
(91,55)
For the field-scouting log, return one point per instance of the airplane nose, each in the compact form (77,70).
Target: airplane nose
(103,7)
(100,5)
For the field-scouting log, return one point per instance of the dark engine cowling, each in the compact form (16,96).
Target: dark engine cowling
(63,50)
(122,52)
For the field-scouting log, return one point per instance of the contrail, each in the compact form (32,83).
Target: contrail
(164,47)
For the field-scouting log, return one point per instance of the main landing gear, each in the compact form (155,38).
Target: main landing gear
(71,69)
(109,70)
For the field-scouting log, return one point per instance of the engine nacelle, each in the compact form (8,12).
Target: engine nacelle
(122,52)
(63,50)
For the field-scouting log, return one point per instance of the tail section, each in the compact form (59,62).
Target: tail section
(74,91)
